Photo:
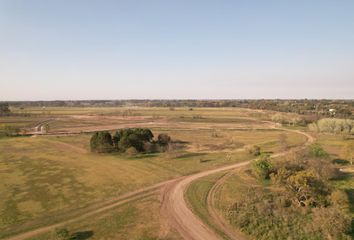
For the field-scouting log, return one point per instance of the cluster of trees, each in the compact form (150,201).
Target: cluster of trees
(333,125)
(304,202)
(131,140)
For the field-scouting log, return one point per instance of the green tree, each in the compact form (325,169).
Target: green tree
(134,137)
(101,142)
(262,167)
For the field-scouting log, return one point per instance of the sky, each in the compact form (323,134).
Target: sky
(150,49)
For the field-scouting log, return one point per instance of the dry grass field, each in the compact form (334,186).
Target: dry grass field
(54,177)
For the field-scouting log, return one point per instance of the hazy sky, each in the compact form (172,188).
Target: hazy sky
(72,49)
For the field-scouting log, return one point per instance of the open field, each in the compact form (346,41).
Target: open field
(54,178)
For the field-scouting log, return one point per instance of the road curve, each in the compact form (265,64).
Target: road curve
(173,205)
(175,209)
(112,203)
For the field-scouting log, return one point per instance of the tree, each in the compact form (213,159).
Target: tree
(101,142)
(262,167)
(116,138)
(133,137)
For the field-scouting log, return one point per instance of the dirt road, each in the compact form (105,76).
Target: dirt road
(174,207)
(92,210)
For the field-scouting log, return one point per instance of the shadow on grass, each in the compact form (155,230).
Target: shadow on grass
(205,160)
(350,193)
(344,176)
(81,235)
(145,155)
(187,155)
(340,161)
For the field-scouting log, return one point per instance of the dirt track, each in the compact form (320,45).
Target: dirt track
(173,208)
(180,217)
(112,203)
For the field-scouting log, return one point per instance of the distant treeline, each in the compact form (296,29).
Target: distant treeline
(342,108)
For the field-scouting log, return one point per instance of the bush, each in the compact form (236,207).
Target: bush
(316,150)
(332,223)
(254,150)
(62,234)
(131,151)
(340,199)
(324,169)
(262,167)
(163,139)
(308,189)
(101,142)
(11,131)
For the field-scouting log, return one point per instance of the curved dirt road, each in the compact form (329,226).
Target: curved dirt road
(174,207)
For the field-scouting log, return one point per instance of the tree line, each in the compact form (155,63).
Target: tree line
(317,107)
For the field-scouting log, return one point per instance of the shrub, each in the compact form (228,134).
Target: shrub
(62,234)
(262,167)
(316,150)
(131,151)
(101,142)
(324,169)
(331,222)
(340,199)
(163,139)
(10,131)
(308,189)
(254,150)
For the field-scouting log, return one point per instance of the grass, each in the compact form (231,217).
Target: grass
(196,196)
(239,184)
(136,220)
(46,178)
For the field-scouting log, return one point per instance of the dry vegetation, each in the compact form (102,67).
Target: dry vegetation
(50,178)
